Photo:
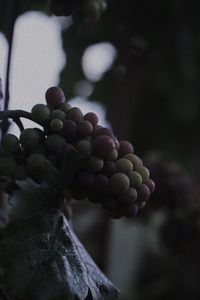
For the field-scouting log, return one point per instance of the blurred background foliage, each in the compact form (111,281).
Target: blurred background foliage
(151,95)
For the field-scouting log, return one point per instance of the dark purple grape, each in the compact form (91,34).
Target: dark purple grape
(101,184)
(54,96)
(124,148)
(143,193)
(61,150)
(85,179)
(103,146)
(130,211)
(129,197)
(84,128)
(92,117)
(109,168)
(69,129)
(151,185)
(103,131)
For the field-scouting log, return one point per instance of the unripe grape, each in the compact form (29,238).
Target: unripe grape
(125,148)
(40,148)
(135,179)
(57,114)
(53,142)
(41,134)
(40,113)
(124,165)
(101,184)
(84,147)
(69,129)
(95,164)
(129,197)
(133,158)
(20,173)
(109,168)
(54,96)
(91,117)
(36,164)
(103,146)
(7,166)
(119,183)
(29,138)
(84,128)
(56,125)
(65,107)
(144,172)
(143,193)
(74,114)
(113,156)
(10,143)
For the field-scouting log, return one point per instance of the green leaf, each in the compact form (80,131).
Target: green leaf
(41,257)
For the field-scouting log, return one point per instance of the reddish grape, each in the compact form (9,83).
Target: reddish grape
(143,193)
(54,96)
(151,185)
(103,131)
(125,148)
(103,146)
(84,128)
(130,211)
(69,129)
(109,168)
(92,117)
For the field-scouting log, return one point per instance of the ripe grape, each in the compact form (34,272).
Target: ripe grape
(85,179)
(65,107)
(130,211)
(129,197)
(74,114)
(10,143)
(109,168)
(56,125)
(29,138)
(101,184)
(143,193)
(125,148)
(124,165)
(151,185)
(95,164)
(119,183)
(69,129)
(133,158)
(84,128)
(92,118)
(103,146)
(7,166)
(54,142)
(40,113)
(58,114)
(135,179)
(103,131)
(144,172)
(84,147)
(54,96)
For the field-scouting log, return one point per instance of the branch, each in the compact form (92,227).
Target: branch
(15,115)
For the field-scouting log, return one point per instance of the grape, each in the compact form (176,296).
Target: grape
(10,143)
(40,148)
(101,184)
(40,113)
(65,107)
(133,158)
(74,114)
(92,117)
(56,125)
(103,131)
(69,129)
(7,166)
(109,168)
(130,211)
(151,185)
(41,134)
(124,165)
(129,197)
(119,183)
(20,173)
(85,128)
(103,146)
(143,193)
(84,147)
(57,114)
(125,148)
(85,179)
(95,164)
(29,138)
(135,179)
(116,143)
(61,150)
(54,96)
(53,142)
(36,164)
(113,156)
(144,172)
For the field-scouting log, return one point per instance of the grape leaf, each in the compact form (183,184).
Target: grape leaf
(42,258)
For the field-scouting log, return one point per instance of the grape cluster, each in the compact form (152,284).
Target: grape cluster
(108,171)
(89,9)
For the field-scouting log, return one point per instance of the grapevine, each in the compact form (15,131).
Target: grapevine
(78,156)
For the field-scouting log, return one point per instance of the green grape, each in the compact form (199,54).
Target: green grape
(7,166)
(29,138)
(58,114)
(20,173)
(124,165)
(41,134)
(113,155)
(74,114)
(135,179)
(133,158)
(56,125)
(40,113)
(54,142)
(10,143)
(36,164)
(144,172)
(95,164)
(119,183)
(65,107)
(84,147)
